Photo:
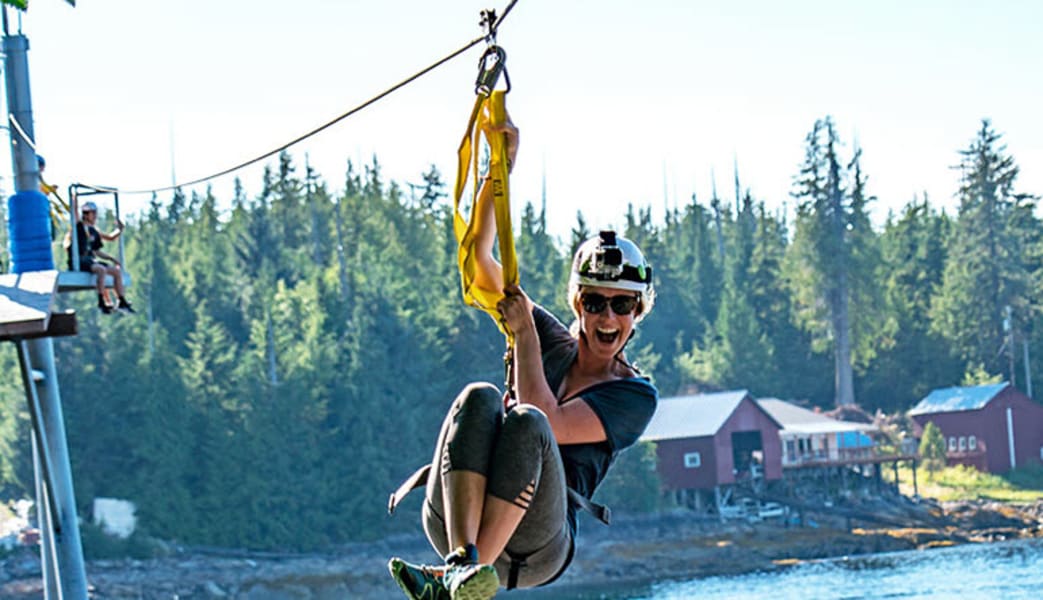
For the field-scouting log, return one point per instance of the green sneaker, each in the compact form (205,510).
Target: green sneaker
(466,578)
(419,582)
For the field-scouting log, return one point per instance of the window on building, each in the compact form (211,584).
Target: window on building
(963,443)
(972,443)
(692,460)
(952,444)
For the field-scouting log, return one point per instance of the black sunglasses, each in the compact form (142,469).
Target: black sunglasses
(595,304)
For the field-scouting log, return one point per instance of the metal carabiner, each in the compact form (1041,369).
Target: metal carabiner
(492,63)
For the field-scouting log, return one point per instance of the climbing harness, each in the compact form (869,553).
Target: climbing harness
(419,479)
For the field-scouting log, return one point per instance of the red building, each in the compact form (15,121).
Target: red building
(707,440)
(990,427)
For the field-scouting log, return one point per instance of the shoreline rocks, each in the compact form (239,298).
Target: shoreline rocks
(639,548)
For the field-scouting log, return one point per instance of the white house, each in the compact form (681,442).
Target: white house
(809,437)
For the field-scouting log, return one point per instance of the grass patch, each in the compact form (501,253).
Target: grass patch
(1030,477)
(965,483)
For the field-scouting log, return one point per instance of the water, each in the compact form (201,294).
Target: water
(1005,570)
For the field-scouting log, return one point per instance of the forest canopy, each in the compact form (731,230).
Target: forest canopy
(293,355)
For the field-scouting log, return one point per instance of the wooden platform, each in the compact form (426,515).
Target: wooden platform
(26,307)
(867,460)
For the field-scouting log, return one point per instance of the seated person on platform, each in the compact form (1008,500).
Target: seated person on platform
(89,244)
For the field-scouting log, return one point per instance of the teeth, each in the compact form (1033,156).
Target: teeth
(607,331)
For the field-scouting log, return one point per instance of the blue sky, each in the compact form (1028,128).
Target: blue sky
(618,102)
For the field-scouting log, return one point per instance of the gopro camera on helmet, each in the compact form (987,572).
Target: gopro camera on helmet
(608,258)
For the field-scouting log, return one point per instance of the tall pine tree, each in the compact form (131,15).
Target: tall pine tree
(831,261)
(993,257)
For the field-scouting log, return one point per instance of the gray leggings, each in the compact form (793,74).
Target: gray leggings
(519,457)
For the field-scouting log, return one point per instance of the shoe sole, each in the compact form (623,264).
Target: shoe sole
(396,566)
(481,586)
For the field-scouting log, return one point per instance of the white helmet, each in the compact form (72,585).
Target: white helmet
(612,261)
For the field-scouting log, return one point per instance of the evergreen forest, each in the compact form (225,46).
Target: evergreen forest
(294,351)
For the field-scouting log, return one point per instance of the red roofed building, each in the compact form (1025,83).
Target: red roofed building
(993,428)
(707,440)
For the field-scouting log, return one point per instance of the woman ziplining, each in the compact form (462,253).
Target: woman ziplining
(511,470)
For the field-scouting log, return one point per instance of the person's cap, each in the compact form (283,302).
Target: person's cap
(89,207)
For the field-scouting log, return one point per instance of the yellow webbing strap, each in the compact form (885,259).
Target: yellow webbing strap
(58,205)
(487,109)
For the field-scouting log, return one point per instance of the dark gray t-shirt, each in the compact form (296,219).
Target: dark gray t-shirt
(624,406)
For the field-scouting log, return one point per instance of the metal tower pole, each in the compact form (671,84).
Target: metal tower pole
(20,107)
(63,534)
(48,564)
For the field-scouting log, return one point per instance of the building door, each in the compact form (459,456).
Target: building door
(747,451)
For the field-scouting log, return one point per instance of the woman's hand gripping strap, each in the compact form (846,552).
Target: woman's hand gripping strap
(489,114)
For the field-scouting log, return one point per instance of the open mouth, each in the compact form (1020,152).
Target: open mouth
(606,336)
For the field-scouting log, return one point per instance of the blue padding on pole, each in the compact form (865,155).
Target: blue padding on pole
(28,219)
(32,239)
(29,232)
(35,258)
(27,205)
(32,244)
(29,267)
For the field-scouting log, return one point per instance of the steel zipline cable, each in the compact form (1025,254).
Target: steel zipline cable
(490,36)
